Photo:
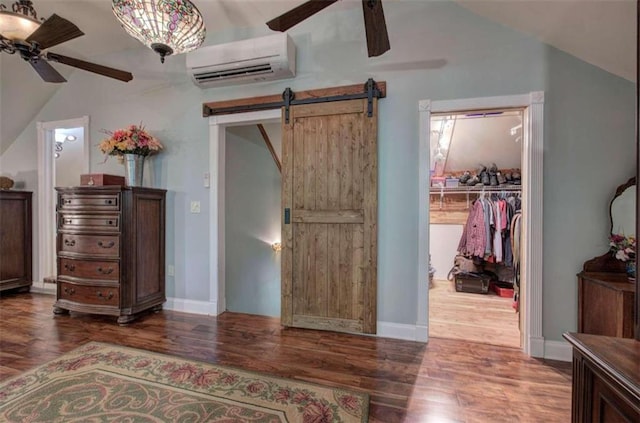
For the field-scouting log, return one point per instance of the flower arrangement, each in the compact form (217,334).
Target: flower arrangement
(131,140)
(623,247)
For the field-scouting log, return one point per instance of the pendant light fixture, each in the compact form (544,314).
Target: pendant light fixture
(165,26)
(17,25)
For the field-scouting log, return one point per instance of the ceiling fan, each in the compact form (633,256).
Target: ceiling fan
(374,23)
(21,32)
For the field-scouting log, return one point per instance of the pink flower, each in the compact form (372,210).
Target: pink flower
(132,140)
(206,378)
(230,379)
(142,363)
(255,387)
(183,373)
(301,397)
(78,363)
(282,395)
(316,412)
(350,403)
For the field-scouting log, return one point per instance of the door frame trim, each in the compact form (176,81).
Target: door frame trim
(532,184)
(46,198)
(218,125)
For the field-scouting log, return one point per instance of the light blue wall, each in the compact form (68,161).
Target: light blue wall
(439,51)
(252,224)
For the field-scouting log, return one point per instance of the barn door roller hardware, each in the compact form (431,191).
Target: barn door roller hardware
(370,90)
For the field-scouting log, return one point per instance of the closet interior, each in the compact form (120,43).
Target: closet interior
(475,226)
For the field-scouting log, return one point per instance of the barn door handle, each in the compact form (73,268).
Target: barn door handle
(287,216)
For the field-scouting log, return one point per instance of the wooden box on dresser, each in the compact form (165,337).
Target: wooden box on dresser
(110,250)
(15,240)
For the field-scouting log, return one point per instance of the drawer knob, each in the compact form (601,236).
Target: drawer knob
(68,221)
(69,242)
(70,267)
(69,291)
(108,201)
(103,297)
(106,244)
(110,222)
(67,201)
(105,271)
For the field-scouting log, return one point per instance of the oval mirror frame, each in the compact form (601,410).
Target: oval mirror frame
(622,209)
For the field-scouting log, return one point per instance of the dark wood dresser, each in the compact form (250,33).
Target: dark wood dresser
(606,378)
(15,240)
(605,304)
(111,248)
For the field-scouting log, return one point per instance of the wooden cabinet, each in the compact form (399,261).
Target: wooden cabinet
(111,247)
(606,379)
(605,304)
(15,240)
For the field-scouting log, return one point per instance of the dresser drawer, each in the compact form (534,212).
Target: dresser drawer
(89,222)
(89,245)
(89,294)
(94,202)
(89,269)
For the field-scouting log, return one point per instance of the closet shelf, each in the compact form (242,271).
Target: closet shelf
(473,190)
(476,189)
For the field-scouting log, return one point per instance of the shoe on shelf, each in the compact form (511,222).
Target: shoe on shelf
(465,177)
(493,179)
(473,181)
(484,178)
(501,179)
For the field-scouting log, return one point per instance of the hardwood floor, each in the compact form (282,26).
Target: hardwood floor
(488,319)
(442,381)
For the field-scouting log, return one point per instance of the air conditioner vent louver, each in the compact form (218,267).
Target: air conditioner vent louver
(257,59)
(233,73)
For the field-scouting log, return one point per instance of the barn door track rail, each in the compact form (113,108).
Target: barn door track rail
(369,90)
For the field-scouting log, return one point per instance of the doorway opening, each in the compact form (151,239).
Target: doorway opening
(218,132)
(253,186)
(63,155)
(532,106)
(475,209)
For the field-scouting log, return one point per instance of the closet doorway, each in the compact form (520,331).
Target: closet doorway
(532,106)
(475,209)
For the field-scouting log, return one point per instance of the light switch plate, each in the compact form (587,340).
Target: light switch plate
(195,207)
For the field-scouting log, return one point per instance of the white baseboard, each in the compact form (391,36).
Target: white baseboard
(402,331)
(558,350)
(536,347)
(191,306)
(43,288)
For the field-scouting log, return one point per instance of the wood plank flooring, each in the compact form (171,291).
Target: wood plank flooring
(480,318)
(442,381)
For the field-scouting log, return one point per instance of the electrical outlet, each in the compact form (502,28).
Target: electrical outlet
(195,207)
(171,270)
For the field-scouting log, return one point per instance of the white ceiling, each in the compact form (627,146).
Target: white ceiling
(600,32)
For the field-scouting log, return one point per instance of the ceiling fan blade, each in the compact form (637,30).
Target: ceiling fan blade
(298,14)
(376,27)
(91,67)
(54,31)
(46,71)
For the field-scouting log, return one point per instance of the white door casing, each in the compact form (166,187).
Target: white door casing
(217,138)
(532,183)
(45,247)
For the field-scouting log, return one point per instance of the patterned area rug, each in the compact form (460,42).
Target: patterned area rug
(106,383)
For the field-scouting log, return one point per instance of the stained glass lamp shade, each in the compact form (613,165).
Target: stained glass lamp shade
(166,26)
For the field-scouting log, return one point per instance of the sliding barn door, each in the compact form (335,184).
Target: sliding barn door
(329,226)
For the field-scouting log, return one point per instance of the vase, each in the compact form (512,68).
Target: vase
(630,267)
(133,168)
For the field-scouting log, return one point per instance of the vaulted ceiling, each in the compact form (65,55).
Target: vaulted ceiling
(600,32)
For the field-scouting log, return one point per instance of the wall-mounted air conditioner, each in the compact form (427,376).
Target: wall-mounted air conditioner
(253,60)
